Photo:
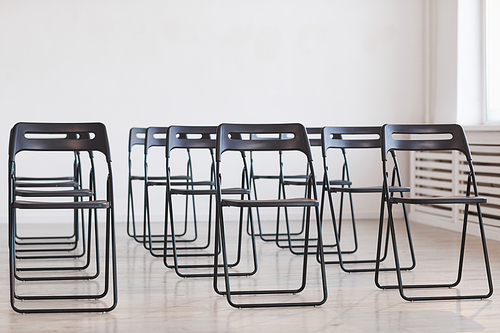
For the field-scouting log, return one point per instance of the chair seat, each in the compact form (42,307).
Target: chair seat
(319,183)
(30,179)
(47,193)
(207,191)
(235,190)
(439,200)
(370,189)
(179,183)
(97,204)
(296,202)
(180,177)
(278,177)
(195,183)
(46,184)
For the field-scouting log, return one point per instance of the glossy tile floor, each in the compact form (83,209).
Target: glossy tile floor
(153,298)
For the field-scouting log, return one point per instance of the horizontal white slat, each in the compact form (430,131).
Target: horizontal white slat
(490,222)
(493,211)
(491,200)
(492,159)
(486,221)
(429,181)
(491,169)
(488,191)
(488,180)
(484,148)
(425,191)
(434,155)
(433,211)
(440,176)
(424,182)
(432,164)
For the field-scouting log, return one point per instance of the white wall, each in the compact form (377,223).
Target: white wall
(456,61)
(159,62)
(471,101)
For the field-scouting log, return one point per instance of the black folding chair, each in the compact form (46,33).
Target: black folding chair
(431,138)
(64,137)
(360,139)
(275,137)
(156,138)
(193,138)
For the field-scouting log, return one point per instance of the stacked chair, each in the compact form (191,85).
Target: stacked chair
(47,281)
(275,137)
(431,138)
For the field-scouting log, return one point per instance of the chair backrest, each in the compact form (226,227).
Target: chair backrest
(313,141)
(155,137)
(346,137)
(273,137)
(191,137)
(435,137)
(59,137)
(137,136)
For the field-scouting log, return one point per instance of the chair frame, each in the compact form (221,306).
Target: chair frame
(457,142)
(191,138)
(229,138)
(150,239)
(355,138)
(275,237)
(301,180)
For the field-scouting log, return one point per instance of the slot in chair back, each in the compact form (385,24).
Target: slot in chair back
(202,137)
(232,137)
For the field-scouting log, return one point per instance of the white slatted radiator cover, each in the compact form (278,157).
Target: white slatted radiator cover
(444,174)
